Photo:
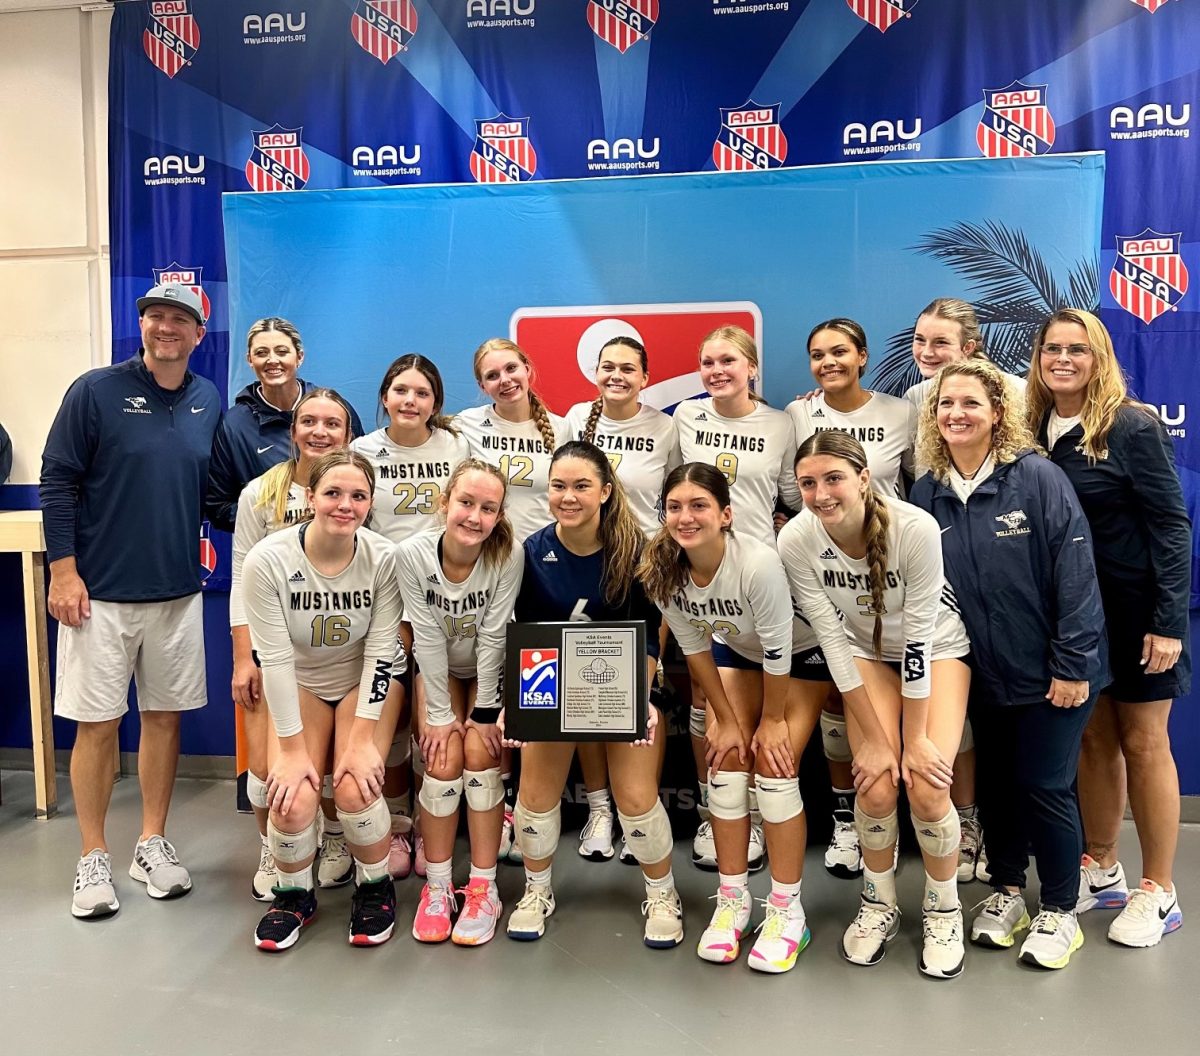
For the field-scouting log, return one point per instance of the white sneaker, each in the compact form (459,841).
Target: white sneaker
(756,853)
(704,848)
(1150,914)
(970,845)
(721,940)
(865,940)
(843,857)
(1002,915)
(664,920)
(1101,888)
(625,855)
(596,838)
(156,865)
(334,864)
(94,896)
(528,919)
(942,949)
(782,935)
(264,875)
(1053,936)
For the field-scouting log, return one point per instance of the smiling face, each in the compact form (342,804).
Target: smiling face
(833,489)
(576,493)
(693,517)
(409,400)
(273,357)
(725,372)
(835,360)
(341,500)
(619,376)
(1066,360)
(169,334)
(966,419)
(472,507)
(319,426)
(936,342)
(504,377)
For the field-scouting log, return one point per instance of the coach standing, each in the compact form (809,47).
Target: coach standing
(123,480)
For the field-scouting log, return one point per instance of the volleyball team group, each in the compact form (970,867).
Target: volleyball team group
(976,594)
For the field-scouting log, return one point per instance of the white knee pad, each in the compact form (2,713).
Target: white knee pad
(649,834)
(440,798)
(292,847)
(483,788)
(367,826)
(729,795)
(938,838)
(256,790)
(327,786)
(537,834)
(834,738)
(418,760)
(968,738)
(875,834)
(779,798)
(401,750)
(696,721)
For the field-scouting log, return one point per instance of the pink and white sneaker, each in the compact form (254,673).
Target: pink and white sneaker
(399,856)
(432,922)
(721,940)
(476,923)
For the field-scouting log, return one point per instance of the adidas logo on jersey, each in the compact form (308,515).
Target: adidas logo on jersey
(486,423)
(296,577)
(817,658)
(550,558)
(702,417)
(828,555)
(432,577)
(818,413)
(383,453)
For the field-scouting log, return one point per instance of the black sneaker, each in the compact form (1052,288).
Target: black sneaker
(291,910)
(373,913)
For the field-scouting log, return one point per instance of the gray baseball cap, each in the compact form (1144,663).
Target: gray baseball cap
(179,296)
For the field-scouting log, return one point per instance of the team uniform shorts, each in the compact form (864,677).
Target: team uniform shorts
(808,665)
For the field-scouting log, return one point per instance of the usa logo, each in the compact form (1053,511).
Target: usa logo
(171,38)
(1149,276)
(622,23)
(383,28)
(882,14)
(539,679)
(278,161)
(1150,5)
(178,275)
(750,138)
(502,151)
(1015,122)
(208,552)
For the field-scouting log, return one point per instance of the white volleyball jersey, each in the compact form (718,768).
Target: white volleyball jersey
(754,453)
(746,606)
(254,523)
(324,633)
(458,628)
(920,613)
(642,449)
(409,480)
(518,449)
(886,426)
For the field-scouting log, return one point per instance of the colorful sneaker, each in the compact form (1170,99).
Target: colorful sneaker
(95,896)
(528,920)
(1101,888)
(264,876)
(865,940)
(970,844)
(1053,936)
(156,865)
(596,838)
(476,923)
(432,921)
(664,920)
(781,936)
(625,855)
(399,856)
(843,857)
(756,852)
(1150,914)
(721,941)
(942,949)
(292,909)
(704,848)
(335,867)
(1002,915)
(506,836)
(372,913)
(419,860)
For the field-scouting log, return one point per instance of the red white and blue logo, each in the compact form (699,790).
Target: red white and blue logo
(383,28)
(208,552)
(171,37)
(750,139)
(277,161)
(882,14)
(502,151)
(1016,122)
(178,275)
(1150,5)
(622,23)
(1149,276)
(539,679)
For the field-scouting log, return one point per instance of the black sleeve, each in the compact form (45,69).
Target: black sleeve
(224,487)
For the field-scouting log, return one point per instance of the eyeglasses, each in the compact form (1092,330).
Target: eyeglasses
(1074,351)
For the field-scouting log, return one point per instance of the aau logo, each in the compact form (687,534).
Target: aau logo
(277,161)
(1149,276)
(1150,5)
(383,28)
(622,23)
(750,139)
(171,38)
(178,275)
(882,14)
(1016,122)
(502,151)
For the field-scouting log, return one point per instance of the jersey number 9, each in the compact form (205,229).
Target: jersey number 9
(726,463)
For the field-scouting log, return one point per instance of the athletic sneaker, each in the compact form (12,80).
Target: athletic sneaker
(843,857)
(334,864)
(528,920)
(476,923)
(156,865)
(1150,914)
(625,855)
(292,909)
(419,860)
(781,936)
(432,920)
(721,941)
(506,836)
(1053,936)
(264,876)
(664,919)
(1101,888)
(95,896)
(942,950)
(704,848)
(865,940)
(399,856)
(1002,916)
(372,912)
(514,845)
(970,845)
(596,838)
(756,852)
(982,873)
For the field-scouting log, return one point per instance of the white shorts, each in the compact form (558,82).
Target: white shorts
(160,644)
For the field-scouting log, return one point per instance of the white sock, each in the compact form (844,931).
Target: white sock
(539,876)
(782,892)
(880,887)
(664,883)
(737,880)
(941,894)
(598,802)
(440,874)
(301,881)
(483,874)
(369,872)
(333,827)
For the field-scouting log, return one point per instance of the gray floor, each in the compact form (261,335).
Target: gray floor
(183,977)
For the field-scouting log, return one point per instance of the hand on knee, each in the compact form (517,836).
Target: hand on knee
(879,800)
(925,801)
